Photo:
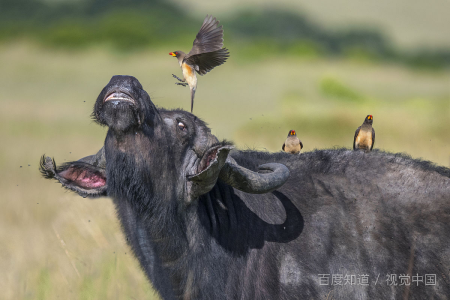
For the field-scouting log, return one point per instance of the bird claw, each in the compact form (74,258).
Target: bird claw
(181,83)
(176,77)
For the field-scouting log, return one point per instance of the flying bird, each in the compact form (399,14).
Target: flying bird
(365,135)
(292,144)
(207,53)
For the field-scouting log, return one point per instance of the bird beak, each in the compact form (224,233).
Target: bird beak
(173,54)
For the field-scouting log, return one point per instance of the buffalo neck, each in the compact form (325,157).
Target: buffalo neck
(156,220)
(142,178)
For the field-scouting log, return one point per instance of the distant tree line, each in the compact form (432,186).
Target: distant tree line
(133,24)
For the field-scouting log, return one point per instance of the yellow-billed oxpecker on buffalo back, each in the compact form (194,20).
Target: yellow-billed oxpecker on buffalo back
(365,135)
(206,54)
(292,144)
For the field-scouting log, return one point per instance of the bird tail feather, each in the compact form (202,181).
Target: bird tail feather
(192,98)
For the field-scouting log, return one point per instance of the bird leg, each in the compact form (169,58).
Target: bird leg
(175,76)
(182,83)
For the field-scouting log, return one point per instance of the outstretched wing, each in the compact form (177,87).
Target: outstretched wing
(373,138)
(356,135)
(207,51)
(209,38)
(205,62)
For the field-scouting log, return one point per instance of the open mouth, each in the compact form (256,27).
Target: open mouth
(119,97)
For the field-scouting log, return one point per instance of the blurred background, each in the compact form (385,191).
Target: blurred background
(318,67)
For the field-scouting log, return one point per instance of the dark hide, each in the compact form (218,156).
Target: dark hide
(198,237)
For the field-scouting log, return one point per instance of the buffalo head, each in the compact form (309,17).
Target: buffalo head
(152,153)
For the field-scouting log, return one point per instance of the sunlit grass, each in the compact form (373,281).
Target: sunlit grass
(56,245)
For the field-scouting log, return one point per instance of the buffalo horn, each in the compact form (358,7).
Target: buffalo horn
(269,177)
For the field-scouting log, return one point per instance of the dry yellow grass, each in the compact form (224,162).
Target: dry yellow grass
(56,245)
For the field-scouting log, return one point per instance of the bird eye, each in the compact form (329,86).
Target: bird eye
(181,126)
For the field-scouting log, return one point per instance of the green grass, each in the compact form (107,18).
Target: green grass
(333,88)
(56,245)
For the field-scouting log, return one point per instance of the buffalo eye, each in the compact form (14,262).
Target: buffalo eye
(181,126)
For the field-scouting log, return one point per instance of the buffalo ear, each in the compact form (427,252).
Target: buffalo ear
(83,178)
(208,170)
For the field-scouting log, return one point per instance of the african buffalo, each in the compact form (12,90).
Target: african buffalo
(209,222)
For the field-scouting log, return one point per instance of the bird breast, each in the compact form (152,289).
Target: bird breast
(189,74)
(292,145)
(364,138)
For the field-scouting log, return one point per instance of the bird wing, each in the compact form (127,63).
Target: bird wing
(356,135)
(301,144)
(209,38)
(282,148)
(205,62)
(373,138)
(207,51)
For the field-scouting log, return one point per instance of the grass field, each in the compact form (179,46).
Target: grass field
(55,245)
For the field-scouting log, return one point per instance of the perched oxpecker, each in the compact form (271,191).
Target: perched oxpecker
(206,54)
(365,135)
(292,144)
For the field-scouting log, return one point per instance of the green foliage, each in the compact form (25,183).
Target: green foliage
(334,88)
(134,24)
(126,25)
(361,55)
(427,59)
(305,49)
(248,52)
(124,30)
(70,34)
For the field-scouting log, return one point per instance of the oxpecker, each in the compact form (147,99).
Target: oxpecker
(292,144)
(365,135)
(206,53)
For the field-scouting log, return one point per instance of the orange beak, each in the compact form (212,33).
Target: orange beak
(173,54)
(292,132)
(370,117)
